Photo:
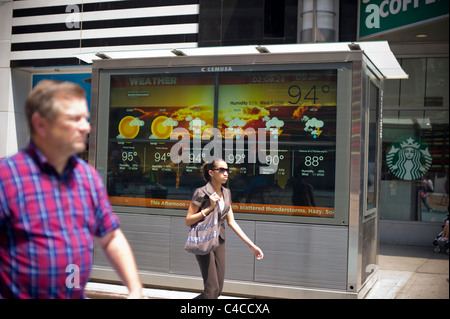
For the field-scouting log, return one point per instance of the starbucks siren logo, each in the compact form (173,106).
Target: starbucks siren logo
(409,159)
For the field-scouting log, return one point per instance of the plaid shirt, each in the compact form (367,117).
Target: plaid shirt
(47,224)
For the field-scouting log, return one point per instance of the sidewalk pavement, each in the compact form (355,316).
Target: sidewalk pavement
(405,272)
(411,272)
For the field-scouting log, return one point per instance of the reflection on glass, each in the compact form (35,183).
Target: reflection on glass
(302,185)
(305,177)
(373,150)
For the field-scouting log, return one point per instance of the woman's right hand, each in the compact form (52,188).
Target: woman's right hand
(195,213)
(213,199)
(257,251)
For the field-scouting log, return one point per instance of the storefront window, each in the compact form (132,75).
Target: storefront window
(415,160)
(437,82)
(412,91)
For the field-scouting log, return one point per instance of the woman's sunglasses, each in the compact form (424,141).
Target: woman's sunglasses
(221,170)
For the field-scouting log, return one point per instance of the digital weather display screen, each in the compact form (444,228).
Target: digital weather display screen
(240,114)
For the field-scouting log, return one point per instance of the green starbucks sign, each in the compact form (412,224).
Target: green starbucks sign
(380,16)
(409,158)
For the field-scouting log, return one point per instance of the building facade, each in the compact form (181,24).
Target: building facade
(42,39)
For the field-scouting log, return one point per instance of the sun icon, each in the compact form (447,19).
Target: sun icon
(128,127)
(162,127)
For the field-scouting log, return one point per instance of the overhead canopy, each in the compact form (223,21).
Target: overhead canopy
(378,52)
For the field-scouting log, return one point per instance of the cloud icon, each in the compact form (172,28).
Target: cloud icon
(237,122)
(314,123)
(314,127)
(170,122)
(274,122)
(136,122)
(196,123)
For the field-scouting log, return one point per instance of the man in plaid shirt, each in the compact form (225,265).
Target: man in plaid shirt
(53,204)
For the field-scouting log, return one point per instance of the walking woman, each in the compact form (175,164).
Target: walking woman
(212,265)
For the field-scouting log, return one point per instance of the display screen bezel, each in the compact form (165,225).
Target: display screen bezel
(338,216)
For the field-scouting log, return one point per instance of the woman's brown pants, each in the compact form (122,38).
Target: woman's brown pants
(212,267)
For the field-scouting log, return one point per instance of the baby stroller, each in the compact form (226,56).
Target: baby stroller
(441,241)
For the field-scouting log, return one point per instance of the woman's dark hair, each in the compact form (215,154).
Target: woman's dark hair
(209,166)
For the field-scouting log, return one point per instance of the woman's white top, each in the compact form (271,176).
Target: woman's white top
(221,204)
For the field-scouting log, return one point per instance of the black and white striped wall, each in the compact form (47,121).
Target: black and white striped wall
(46,36)
(52,32)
